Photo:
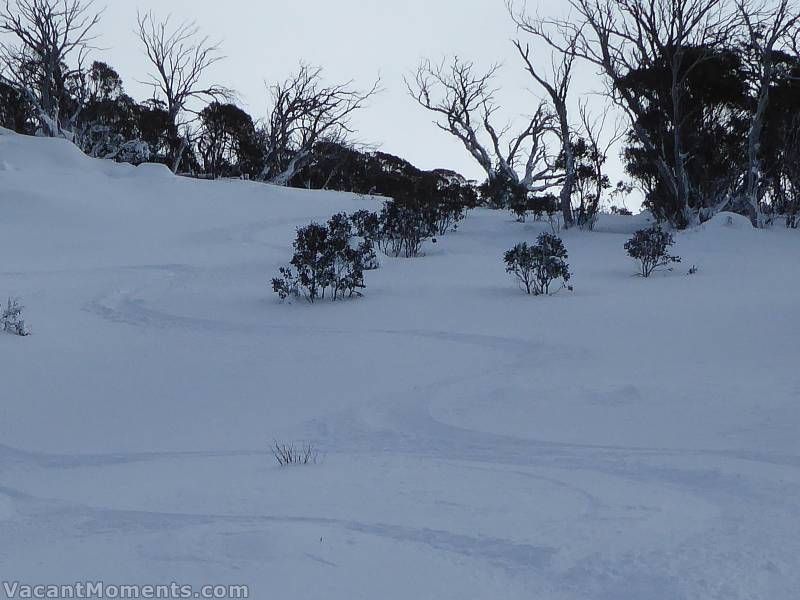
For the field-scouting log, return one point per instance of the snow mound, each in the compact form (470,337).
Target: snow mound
(152,171)
(628,224)
(728,220)
(20,152)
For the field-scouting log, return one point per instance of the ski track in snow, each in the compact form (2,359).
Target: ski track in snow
(408,430)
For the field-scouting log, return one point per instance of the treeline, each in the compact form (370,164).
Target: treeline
(306,140)
(707,92)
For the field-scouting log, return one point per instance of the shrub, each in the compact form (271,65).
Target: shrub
(326,260)
(11,319)
(501,192)
(285,285)
(289,454)
(620,210)
(365,224)
(651,248)
(448,214)
(404,227)
(450,203)
(537,267)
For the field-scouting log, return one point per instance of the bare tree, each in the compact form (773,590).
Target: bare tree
(180,56)
(557,86)
(304,112)
(49,40)
(625,36)
(767,29)
(464,102)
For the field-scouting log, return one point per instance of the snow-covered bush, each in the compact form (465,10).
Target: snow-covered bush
(651,248)
(11,319)
(328,260)
(134,152)
(537,267)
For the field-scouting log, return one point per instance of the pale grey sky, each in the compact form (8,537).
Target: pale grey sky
(352,39)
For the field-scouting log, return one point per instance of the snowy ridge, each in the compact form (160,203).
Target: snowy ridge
(630,440)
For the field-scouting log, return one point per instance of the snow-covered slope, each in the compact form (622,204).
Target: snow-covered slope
(629,440)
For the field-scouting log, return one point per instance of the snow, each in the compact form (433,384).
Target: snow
(633,439)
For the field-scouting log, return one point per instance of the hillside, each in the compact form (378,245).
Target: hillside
(631,439)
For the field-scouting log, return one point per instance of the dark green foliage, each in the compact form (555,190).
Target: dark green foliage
(780,142)
(651,248)
(404,227)
(366,224)
(328,261)
(590,183)
(537,267)
(502,192)
(714,104)
(16,113)
(400,229)
(228,144)
(337,167)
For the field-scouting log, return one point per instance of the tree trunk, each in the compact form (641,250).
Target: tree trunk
(176,163)
(292,169)
(753,179)
(569,166)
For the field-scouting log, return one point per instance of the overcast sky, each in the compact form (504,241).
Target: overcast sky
(263,40)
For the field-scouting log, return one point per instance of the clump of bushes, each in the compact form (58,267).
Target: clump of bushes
(450,204)
(433,206)
(404,227)
(651,248)
(11,319)
(539,266)
(329,261)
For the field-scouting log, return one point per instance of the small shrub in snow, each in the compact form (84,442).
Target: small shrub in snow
(11,319)
(404,227)
(289,454)
(366,224)
(651,248)
(537,267)
(285,285)
(451,209)
(620,210)
(327,261)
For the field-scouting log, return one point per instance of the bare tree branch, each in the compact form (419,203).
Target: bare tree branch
(44,36)
(624,36)
(305,111)
(464,102)
(180,57)
(767,29)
